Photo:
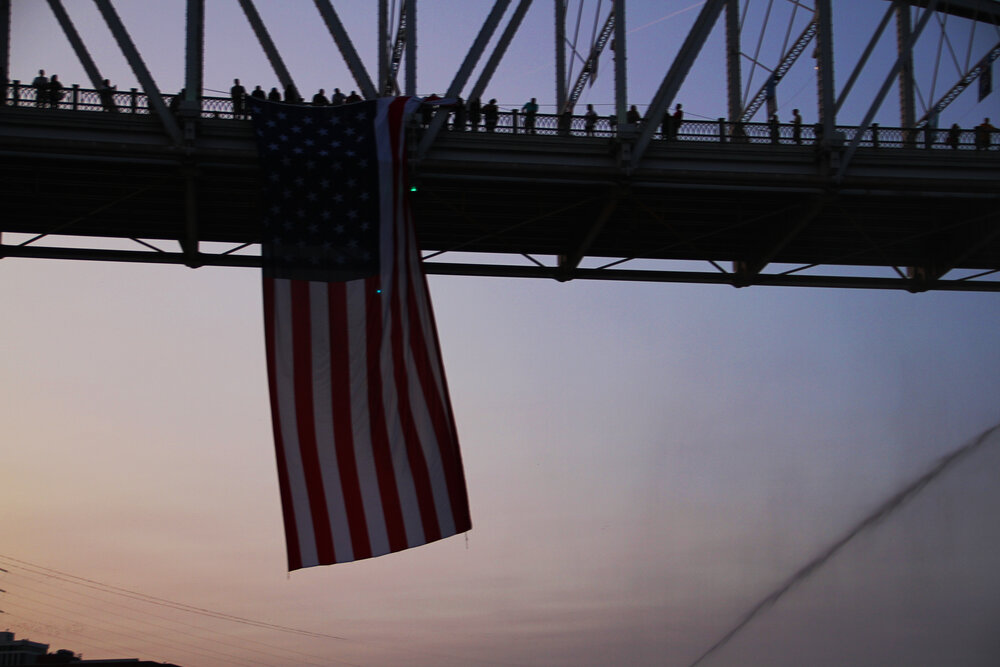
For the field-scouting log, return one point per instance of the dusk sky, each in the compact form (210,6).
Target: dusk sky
(645,462)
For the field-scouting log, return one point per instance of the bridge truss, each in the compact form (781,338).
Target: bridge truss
(731,200)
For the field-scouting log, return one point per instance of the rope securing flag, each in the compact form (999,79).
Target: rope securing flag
(367,450)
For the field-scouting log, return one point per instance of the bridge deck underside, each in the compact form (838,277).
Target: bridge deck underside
(768,206)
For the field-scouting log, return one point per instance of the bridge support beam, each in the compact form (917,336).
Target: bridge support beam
(270,50)
(4,49)
(347,50)
(824,70)
(560,7)
(131,54)
(189,244)
(747,270)
(411,47)
(733,50)
(74,39)
(499,50)
(904,44)
(621,70)
(569,262)
(194,60)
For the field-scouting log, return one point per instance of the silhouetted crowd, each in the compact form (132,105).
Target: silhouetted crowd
(472,115)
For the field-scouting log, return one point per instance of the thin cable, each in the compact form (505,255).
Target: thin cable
(875,518)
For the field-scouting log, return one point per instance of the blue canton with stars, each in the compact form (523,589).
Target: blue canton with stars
(320,190)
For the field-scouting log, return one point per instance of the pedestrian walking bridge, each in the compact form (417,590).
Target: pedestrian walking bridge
(737,204)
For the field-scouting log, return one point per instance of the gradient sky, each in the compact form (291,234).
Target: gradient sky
(644,462)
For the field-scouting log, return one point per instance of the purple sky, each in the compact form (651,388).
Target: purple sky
(644,462)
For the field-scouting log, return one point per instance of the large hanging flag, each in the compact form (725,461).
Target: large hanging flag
(368,455)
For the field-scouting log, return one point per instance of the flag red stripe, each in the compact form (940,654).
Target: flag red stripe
(391,508)
(287,511)
(343,430)
(302,360)
(414,450)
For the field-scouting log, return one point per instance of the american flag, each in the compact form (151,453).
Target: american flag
(368,455)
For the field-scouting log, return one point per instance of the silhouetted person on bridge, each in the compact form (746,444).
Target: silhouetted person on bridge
(55,91)
(428,108)
(564,123)
(675,122)
(107,94)
(530,110)
(491,115)
(475,113)
(337,98)
(796,126)
(258,93)
(274,95)
(984,135)
(41,84)
(459,117)
(633,117)
(353,97)
(954,135)
(238,95)
(319,99)
(589,120)
(774,127)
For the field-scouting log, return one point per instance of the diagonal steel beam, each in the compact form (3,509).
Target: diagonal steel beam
(779,72)
(464,72)
(411,46)
(750,268)
(979,69)
(194,59)
(499,50)
(589,70)
(347,49)
(863,61)
(675,77)
(131,54)
(883,91)
(74,39)
(569,262)
(4,48)
(260,30)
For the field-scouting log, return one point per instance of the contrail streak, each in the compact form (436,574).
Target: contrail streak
(873,519)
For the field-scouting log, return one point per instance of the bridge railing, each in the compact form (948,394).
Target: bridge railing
(132,101)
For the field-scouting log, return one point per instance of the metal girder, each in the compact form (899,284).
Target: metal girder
(987,11)
(74,39)
(845,159)
(383,47)
(824,69)
(733,76)
(974,73)
(534,271)
(260,30)
(131,54)
(569,262)
(465,71)
(621,69)
(749,268)
(986,232)
(863,61)
(904,46)
(347,50)
(590,66)
(411,47)
(4,46)
(560,19)
(194,60)
(396,56)
(779,72)
(499,50)
(675,77)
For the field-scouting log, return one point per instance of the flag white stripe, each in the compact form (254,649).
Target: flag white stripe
(285,381)
(323,417)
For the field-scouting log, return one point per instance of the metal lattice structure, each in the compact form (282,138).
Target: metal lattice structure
(732,200)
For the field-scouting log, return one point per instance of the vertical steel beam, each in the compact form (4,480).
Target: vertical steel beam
(621,70)
(347,49)
(675,76)
(733,77)
(267,44)
(194,57)
(155,99)
(411,47)
(904,46)
(4,49)
(383,47)
(74,39)
(465,71)
(560,6)
(824,70)
(499,50)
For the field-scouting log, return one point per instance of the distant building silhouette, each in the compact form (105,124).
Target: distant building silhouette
(24,652)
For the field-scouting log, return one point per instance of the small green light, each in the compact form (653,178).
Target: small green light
(413,188)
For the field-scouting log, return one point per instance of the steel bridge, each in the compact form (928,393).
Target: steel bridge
(739,200)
